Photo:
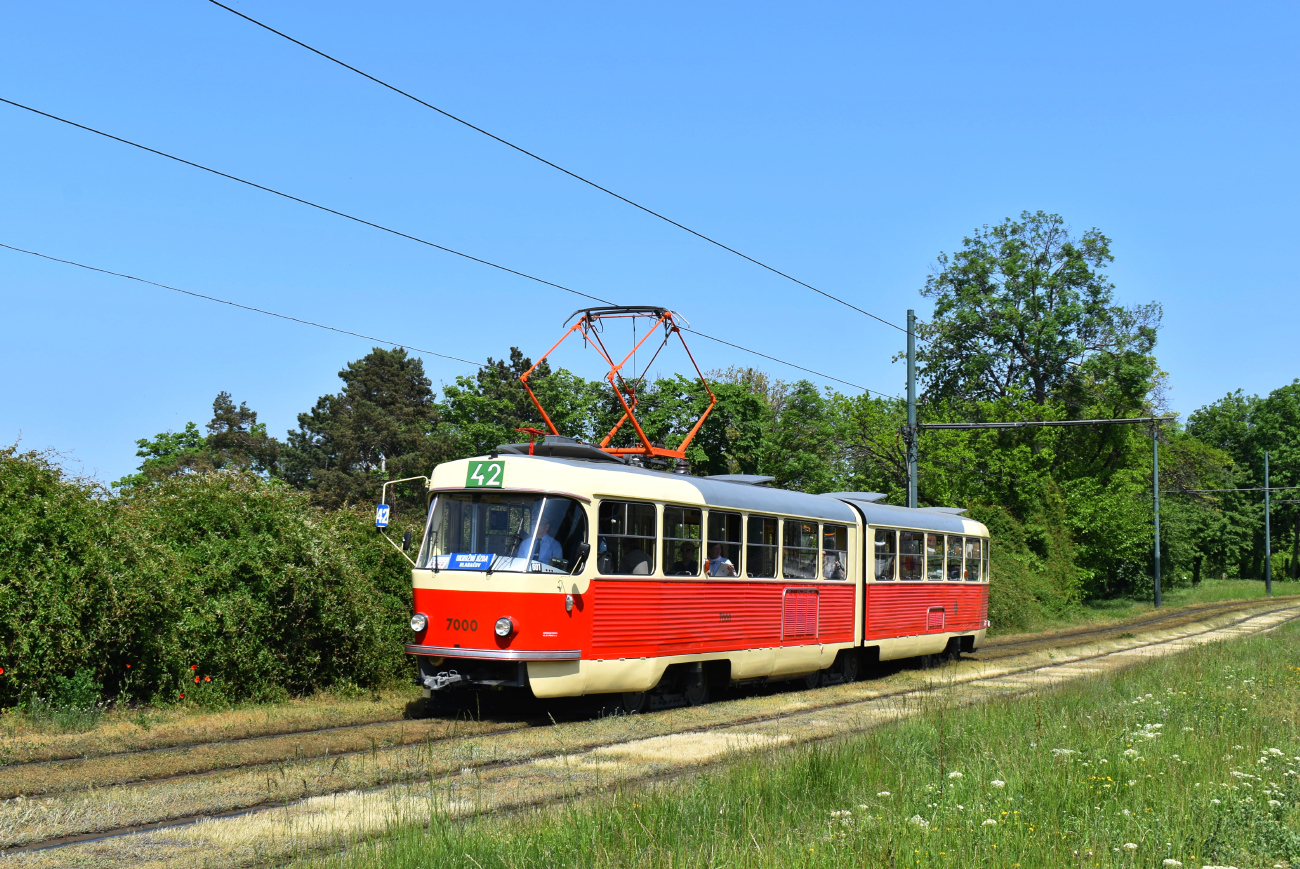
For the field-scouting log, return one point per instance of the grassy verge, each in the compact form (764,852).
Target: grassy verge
(1187,761)
(1121,608)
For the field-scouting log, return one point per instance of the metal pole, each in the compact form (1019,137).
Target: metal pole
(1268,538)
(1155,487)
(911,408)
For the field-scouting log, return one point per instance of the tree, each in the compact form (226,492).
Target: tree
(1020,309)
(237,440)
(384,424)
(168,454)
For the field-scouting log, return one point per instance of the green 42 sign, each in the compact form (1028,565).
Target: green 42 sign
(485,475)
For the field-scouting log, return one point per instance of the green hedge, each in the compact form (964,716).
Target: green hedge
(221,575)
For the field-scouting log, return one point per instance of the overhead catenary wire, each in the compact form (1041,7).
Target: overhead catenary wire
(397,233)
(234,304)
(555,166)
(1037,423)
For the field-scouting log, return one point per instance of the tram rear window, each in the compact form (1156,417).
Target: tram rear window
(911,552)
(835,552)
(799,549)
(724,543)
(626,538)
(972,559)
(886,554)
(760,547)
(507,533)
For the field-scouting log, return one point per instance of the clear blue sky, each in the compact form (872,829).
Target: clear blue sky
(844,143)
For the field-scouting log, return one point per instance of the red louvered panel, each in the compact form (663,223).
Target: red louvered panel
(641,619)
(901,609)
(934,619)
(837,611)
(800,614)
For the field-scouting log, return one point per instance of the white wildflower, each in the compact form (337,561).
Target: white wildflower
(1132,782)
(1130,846)
(1188,729)
(882,793)
(1127,813)
(918,820)
(1275,752)
(1215,802)
(954,774)
(998,783)
(1170,861)
(1274,803)
(1131,752)
(989,822)
(1063,752)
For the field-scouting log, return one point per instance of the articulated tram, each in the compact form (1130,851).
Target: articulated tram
(563,570)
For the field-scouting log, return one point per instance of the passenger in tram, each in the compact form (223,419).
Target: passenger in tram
(687,563)
(832,567)
(547,548)
(719,565)
(635,562)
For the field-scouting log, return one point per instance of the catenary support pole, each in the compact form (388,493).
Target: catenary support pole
(911,408)
(1268,535)
(1155,488)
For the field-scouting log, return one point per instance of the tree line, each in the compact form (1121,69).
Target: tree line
(255,556)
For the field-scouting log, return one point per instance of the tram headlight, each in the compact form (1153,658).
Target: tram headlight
(505,626)
(419,622)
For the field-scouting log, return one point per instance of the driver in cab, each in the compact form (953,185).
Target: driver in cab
(545,548)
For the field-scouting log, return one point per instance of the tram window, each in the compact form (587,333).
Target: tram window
(724,544)
(506,533)
(934,557)
(984,562)
(954,558)
(799,549)
(760,548)
(626,538)
(972,573)
(835,552)
(682,541)
(911,545)
(886,554)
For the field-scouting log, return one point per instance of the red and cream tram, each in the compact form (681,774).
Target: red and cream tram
(564,570)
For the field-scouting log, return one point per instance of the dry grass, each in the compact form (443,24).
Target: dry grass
(500,770)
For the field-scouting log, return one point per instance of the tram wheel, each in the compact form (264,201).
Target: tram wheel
(849,666)
(697,691)
(812,680)
(633,701)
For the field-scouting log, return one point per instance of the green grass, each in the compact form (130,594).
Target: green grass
(1067,778)
(1208,591)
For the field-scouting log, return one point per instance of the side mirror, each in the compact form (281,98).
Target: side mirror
(580,556)
(406,542)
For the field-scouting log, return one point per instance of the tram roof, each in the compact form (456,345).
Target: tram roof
(742,495)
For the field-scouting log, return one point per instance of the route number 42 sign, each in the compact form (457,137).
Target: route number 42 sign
(485,475)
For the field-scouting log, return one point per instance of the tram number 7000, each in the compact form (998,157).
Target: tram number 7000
(462,624)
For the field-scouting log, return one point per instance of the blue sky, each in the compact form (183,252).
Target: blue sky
(846,144)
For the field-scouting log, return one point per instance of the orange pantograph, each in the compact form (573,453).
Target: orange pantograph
(590,325)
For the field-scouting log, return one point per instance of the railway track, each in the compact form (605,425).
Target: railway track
(36,778)
(611,734)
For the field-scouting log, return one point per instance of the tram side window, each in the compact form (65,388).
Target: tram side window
(835,552)
(682,541)
(911,551)
(760,548)
(799,549)
(724,544)
(984,562)
(954,558)
(934,557)
(972,573)
(626,538)
(886,554)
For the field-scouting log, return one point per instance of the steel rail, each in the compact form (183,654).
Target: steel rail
(58,842)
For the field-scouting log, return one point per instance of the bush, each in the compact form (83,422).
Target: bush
(226,578)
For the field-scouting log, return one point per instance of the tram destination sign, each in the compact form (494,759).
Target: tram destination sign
(485,475)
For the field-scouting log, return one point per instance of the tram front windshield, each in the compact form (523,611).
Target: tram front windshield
(508,533)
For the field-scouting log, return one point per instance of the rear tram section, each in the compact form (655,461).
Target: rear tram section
(564,571)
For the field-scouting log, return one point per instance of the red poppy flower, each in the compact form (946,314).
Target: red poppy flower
(2,671)
(207,678)
(194,666)
(182,696)
(196,680)
(128,666)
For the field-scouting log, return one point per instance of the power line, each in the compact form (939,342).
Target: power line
(397,233)
(1205,491)
(555,166)
(232,304)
